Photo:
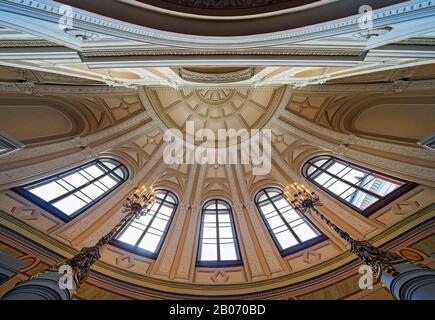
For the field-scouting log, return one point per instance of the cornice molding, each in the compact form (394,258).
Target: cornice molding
(358,88)
(32,88)
(26,44)
(241,52)
(51,11)
(344,140)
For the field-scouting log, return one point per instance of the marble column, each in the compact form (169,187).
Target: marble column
(9,266)
(44,287)
(412,282)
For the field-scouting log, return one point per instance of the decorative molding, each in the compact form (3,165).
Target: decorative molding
(224,77)
(214,96)
(343,140)
(245,236)
(239,52)
(187,257)
(30,87)
(220,277)
(417,42)
(383,88)
(51,11)
(49,166)
(168,253)
(77,142)
(372,33)
(27,43)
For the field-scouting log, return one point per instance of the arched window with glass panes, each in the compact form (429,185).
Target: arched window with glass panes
(70,193)
(364,190)
(290,230)
(218,244)
(145,235)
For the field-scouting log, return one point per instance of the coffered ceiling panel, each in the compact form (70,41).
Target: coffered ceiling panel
(215,108)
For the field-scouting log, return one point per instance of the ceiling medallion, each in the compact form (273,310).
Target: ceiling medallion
(215,96)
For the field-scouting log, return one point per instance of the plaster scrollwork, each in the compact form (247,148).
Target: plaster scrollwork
(82,35)
(78,142)
(372,33)
(400,86)
(351,139)
(29,87)
(89,153)
(341,150)
(22,74)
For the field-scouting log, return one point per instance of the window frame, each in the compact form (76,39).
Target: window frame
(21,190)
(297,247)
(11,145)
(219,263)
(140,251)
(379,204)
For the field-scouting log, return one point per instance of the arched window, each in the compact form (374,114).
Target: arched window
(290,230)
(361,189)
(145,235)
(217,239)
(70,193)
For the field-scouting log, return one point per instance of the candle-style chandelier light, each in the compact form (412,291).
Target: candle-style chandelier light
(50,284)
(134,207)
(305,202)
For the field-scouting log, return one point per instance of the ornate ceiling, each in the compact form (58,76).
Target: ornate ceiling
(226,18)
(129,124)
(106,88)
(212,108)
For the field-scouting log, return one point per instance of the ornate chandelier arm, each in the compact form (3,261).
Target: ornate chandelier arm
(82,262)
(380,261)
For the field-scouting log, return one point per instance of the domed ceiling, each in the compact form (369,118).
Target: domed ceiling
(128,124)
(116,96)
(215,108)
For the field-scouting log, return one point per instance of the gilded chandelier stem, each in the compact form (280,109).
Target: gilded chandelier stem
(81,263)
(380,261)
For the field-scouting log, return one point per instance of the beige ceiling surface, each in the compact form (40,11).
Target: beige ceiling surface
(220,108)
